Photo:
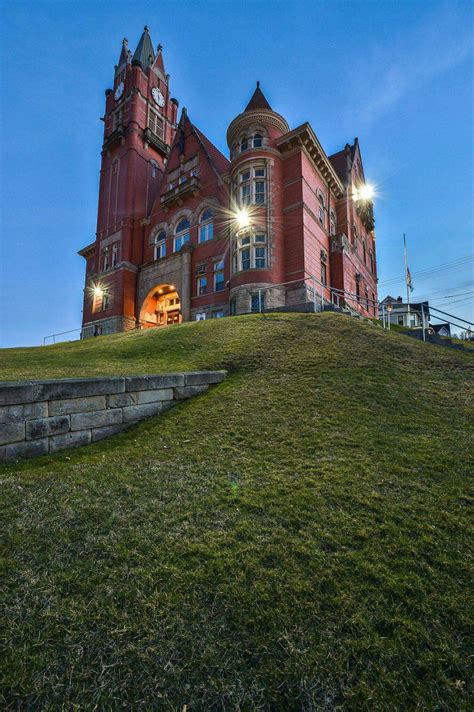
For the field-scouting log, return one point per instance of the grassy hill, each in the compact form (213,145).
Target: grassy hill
(296,539)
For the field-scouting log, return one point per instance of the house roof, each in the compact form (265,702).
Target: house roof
(220,161)
(438,327)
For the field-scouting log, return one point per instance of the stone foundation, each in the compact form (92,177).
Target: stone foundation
(110,325)
(40,417)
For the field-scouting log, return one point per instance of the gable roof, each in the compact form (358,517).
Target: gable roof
(258,100)
(220,161)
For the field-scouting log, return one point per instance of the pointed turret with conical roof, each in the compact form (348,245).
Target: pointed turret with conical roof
(258,100)
(124,52)
(144,55)
(257,114)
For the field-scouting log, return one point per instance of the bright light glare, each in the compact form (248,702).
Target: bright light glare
(365,192)
(243,218)
(98,291)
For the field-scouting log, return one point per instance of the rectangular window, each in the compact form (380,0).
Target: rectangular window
(259,192)
(195,172)
(400,320)
(105,263)
(155,123)
(245,194)
(245,258)
(324,279)
(257,302)
(206,232)
(117,119)
(182,179)
(260,257)
(202,286)
(105,301)
(114,254)
(180,241)
(171,186)
(218,315)
(232,307)
(259,173)
(160,249)
(219,283)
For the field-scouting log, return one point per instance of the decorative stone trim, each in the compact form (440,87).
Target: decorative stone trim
(40,417)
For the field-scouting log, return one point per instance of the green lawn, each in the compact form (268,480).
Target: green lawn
(297,539)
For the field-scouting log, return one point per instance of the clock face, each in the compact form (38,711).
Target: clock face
(119,91)
(158,96)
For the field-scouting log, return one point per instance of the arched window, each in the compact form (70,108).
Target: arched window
(181,234)
(160,245)
(206,225)
(321,209)
(332,223)
(257,140)
(244,144)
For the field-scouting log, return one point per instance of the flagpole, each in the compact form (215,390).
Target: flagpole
(406,276)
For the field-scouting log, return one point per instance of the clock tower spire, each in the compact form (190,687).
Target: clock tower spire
(139,128)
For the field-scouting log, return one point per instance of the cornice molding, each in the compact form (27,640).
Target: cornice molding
(262,116)
(305,137)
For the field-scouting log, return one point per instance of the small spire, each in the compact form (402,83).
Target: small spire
(144,55)
(159,47)
(123,52)
(258,100)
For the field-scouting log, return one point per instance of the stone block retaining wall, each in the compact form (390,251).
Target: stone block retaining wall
(39,417)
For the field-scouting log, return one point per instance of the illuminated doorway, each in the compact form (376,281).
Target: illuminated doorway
(162,307)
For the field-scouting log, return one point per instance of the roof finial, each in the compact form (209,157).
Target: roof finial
(146,28)
(125,42)
(159,47)
(258,84)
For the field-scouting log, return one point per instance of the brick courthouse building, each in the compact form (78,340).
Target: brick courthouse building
(183,233)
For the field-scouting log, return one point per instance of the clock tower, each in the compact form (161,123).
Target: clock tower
(139,128)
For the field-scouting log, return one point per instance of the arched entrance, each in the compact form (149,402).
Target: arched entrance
(162,307)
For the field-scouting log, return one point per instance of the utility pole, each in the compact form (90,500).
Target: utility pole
(406,276)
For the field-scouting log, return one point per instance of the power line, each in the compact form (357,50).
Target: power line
(430,270)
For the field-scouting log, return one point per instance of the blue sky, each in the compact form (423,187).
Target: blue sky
(396,74)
